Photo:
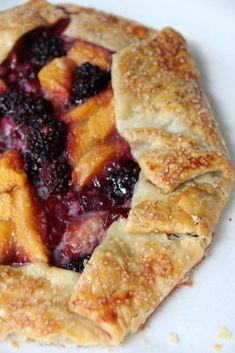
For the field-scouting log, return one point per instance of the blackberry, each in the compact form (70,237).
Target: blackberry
(88,80)
(121,178)
(46,139)
(113,188)
(34,111)
(50,177)
(55,176)
(39,137)
(22,109)
(11,101)
(46,136)
(32,168)
(45,47)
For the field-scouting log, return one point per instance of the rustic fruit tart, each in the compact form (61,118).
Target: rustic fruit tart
(112,172)
(58,125)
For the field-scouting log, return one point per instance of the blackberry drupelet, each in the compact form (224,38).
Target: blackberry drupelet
(55,176)
(45,47)
(88,80)
(47,139)
(11,101)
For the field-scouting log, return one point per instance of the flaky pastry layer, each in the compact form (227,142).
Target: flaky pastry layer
(185,182)
(34,304)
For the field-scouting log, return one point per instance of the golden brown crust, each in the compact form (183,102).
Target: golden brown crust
(162,83)
(22,19)
(193,209)
(162,112)
(185,182)
(169,167)
(34,305)
(129,275)
(109,31)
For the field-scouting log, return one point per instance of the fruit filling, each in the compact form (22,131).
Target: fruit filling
(88,80)
(56,111)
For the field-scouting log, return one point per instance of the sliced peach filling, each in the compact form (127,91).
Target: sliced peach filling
(94,130)
(56,77)
(19,223)
(92,162)
(61,227)
(90,123)
(81,113)
(82,52)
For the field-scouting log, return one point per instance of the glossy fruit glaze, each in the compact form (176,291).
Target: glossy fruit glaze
(76,220)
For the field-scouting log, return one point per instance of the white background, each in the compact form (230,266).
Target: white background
(196,314)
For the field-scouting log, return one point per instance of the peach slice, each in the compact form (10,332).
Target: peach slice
(82,112)
(5,206)
(6,239)
(11,170)
(92,162)
(28,229)
(56,79)
(92,132)
(82,52)
(24,216)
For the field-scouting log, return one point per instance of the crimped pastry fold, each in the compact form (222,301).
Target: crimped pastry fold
(185,181)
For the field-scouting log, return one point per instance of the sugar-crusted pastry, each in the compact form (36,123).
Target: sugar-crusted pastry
(113,172)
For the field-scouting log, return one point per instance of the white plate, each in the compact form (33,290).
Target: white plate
(196,314)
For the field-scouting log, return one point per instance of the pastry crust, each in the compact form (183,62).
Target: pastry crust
(129,275)
(193,209)
(176,204)
(162,111)
(109,31)
(186,181)
(22,19)
(34,304)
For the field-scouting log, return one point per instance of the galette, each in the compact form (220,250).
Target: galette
(113,172)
